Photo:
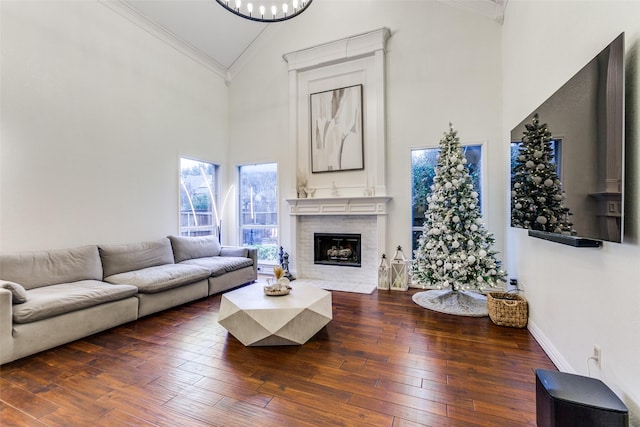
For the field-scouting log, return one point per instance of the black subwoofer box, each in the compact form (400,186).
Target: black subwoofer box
(567,400)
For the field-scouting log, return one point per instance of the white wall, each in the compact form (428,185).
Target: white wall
(95,114)
(578,297)
(442,64)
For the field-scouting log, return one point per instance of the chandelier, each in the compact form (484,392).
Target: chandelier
(266,10)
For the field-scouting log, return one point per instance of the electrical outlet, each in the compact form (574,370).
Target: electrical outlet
(597,354)
(514,283)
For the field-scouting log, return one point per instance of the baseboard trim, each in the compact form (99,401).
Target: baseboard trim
(553,353)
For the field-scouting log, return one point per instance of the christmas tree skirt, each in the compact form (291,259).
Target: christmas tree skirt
(459,303)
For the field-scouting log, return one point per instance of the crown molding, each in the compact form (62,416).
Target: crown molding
(135,17)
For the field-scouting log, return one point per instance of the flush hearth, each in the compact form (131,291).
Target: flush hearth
(337,249)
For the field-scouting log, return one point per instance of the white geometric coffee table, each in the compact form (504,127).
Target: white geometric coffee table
(256,319)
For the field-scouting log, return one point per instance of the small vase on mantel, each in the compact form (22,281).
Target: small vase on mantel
(302,193)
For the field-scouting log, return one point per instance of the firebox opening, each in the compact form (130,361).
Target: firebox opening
(337,249)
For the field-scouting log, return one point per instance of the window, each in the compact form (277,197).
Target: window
(198,194)
(423,162)
(259,210)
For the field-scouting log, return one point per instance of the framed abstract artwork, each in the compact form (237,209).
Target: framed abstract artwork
(336,130)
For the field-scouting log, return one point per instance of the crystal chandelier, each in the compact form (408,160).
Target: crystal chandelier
(266,10)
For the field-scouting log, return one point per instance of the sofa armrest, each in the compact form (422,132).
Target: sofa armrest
(242,251)
(6,325)
(253,254)
(239,251)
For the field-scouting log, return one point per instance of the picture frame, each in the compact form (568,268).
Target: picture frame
(337,141)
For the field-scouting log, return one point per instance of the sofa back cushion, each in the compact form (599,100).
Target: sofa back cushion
(135,256)
(185,248)
(43,268)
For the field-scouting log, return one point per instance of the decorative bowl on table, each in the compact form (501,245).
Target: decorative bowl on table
(276,288)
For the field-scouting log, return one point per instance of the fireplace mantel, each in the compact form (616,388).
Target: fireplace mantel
(365,205)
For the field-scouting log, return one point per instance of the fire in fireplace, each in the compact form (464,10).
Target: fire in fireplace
(337,249)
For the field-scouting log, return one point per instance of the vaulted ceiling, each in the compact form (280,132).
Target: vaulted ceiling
(199,26)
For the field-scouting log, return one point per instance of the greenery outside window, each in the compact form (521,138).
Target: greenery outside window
(423,163)
(198,195)
(258,199)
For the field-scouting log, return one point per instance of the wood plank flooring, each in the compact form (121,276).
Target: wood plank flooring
(381,361)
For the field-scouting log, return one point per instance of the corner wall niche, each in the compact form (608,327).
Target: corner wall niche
(346,201)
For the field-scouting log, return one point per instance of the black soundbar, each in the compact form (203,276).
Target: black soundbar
(578,242)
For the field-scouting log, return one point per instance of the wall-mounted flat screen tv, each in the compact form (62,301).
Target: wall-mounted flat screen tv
(567,156)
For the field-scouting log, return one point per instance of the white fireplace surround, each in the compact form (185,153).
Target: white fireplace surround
(344,202)
(366,216)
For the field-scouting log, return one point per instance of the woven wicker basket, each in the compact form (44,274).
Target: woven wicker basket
(507,309)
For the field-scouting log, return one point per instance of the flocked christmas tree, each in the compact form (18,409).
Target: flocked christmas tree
(537,198)
(455,249)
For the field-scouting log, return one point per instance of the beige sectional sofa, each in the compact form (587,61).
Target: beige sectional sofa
(48,298)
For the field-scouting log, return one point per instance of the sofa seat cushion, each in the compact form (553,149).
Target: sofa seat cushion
(50,301)
(160,278)
(219,265)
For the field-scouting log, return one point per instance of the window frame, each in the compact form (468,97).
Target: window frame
(264,262)
(211,228)
(481,184)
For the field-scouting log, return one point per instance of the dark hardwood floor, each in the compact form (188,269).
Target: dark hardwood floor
(381,361)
